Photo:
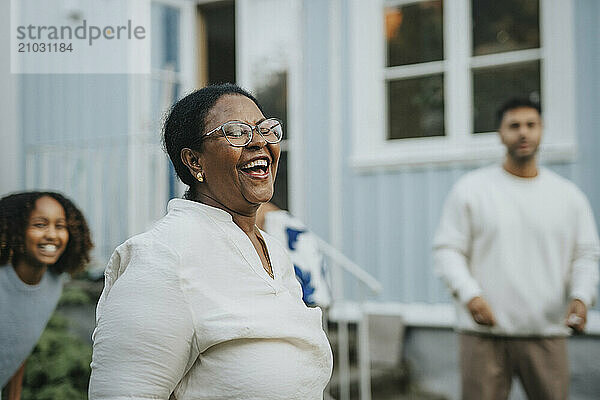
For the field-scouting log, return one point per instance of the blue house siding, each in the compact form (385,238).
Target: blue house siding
(391,220)
(587,47)
(74,133)
(96,137)
(316,123)
(389,216)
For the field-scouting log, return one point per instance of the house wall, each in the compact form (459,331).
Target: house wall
(587,47)
(316,119)
(74,135)
(75,128)
(390,215)
(10,169)
(96,137)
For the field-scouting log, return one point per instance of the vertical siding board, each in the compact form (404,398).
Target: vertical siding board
(422,240)
(383,210)
(58,117)
(315,106)
(27,84)
(33,124)
(364,229)
(68,124)
(587,48)
(436,191)
(69,120)
(46,133)
(405,261)
(389,226)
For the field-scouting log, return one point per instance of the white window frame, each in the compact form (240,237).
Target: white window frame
(370,147)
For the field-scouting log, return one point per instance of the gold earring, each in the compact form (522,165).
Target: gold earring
(200,176)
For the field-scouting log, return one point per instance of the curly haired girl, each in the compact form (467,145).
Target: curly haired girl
(42,235)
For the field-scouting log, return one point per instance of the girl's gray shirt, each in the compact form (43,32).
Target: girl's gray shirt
(24,312)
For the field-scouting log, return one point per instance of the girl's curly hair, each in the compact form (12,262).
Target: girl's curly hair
(15,210)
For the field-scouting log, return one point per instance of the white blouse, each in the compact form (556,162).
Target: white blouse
(188,312)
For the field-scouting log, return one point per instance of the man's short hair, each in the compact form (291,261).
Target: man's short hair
(514,103)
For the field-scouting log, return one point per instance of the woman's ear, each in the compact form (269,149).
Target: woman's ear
(191,159)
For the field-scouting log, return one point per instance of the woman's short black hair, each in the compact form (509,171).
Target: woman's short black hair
(514,103)
(186,121)
(15,210)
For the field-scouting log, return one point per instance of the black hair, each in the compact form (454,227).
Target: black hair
(513,103)
(185,123)
(15,210)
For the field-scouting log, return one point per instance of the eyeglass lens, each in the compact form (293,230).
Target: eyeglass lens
(238,133)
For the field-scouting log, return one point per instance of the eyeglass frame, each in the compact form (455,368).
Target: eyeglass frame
(252,128)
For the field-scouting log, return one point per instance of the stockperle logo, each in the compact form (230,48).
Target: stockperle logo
(90,33)
(81,36)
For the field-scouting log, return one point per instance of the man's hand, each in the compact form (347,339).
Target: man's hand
(577,315)
(481,311)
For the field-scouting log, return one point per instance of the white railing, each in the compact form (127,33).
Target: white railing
(344,312)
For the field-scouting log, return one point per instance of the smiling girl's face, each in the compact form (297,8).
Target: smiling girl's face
(46,234)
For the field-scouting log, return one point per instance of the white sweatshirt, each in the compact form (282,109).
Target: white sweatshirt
(526,245)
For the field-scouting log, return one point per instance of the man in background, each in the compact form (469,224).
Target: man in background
(517,245)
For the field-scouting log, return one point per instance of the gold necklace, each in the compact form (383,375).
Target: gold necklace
(264,248)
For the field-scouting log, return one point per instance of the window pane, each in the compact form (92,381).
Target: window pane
(272,96)
(414,33)
(280,195)
(416,107)
(494,86)
(505,25)
(219,19)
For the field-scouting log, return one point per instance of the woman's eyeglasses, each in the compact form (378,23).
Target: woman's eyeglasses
(239,134)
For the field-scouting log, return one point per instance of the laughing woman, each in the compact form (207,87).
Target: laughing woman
(42,235)
(204,305)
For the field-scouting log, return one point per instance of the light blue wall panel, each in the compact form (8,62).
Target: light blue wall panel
(388,231)
(74,132)
(316,106)
(587,48)
(361,222)
(566,170)
(586,170)
(73,108)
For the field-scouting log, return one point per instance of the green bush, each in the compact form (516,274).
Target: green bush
(59,367)
(73,295)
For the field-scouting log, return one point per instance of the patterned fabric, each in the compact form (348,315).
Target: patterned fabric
(308,261)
